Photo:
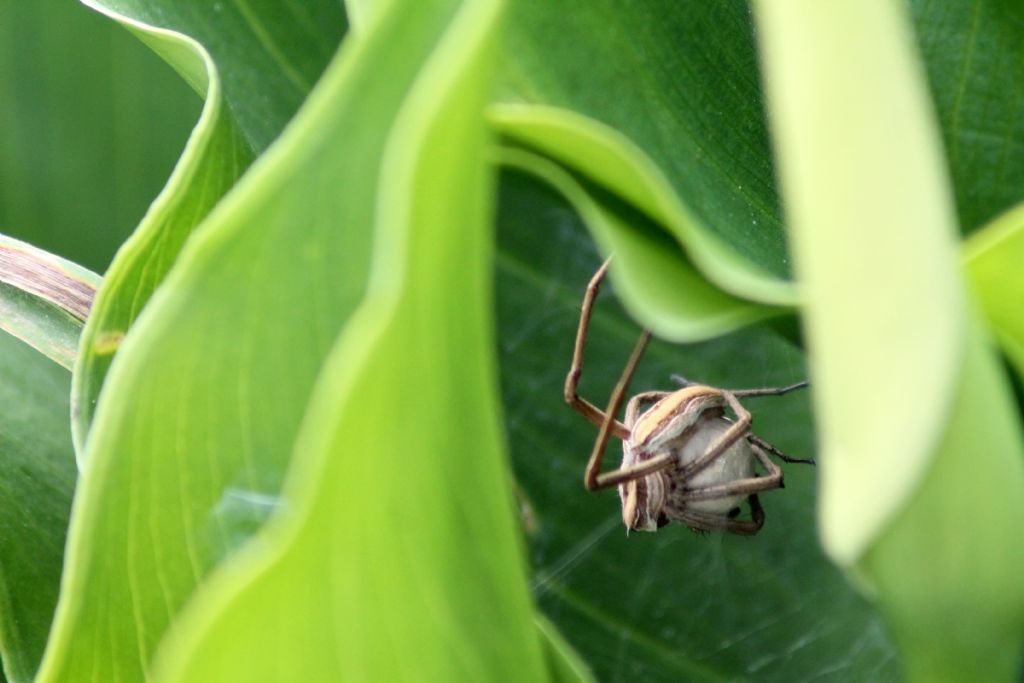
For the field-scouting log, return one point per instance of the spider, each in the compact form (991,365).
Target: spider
(682,459)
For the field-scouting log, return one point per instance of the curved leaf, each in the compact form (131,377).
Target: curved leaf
(879,332)
(680,81)
(214,158)
(37,478)
(233,128)
(666,293)
(417,568)
(895,480)
(186,449)
(994,256)
(269,54)
(605,157)
(44,299)
(948,578)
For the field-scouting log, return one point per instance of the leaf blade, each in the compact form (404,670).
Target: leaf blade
(417,347)
(37,479)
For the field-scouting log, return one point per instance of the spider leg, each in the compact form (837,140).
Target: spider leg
(582,405)
(641,469)
(751,485)
(747,486)
(593,479)
(770,391)
(702,521)
(734,433)
(747,393)
(776,452)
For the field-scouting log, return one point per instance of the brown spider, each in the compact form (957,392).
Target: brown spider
(682,459)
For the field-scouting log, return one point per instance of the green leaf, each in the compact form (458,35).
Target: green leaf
(993,256)
(235,125)
(652,292)
(360,11)
(37,478)
(213,160)
(679,83)
(414,574)
(186,449)
(973,52)
(44,299)
(604,157)
(947,576)
(673,605)
(915,414)
(879,331)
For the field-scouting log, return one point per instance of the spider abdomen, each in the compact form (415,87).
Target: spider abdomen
(737,462)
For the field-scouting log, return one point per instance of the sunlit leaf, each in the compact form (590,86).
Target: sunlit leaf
(914,411)
(198,451)
(878,330)
(994,256)
(235,125)
(414,574)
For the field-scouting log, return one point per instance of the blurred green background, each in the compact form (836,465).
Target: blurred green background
(93,122)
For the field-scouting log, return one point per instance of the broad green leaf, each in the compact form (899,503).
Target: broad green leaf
(37,478)
(673,605)
(236,124)
(974,52)
(948,575)
(415,572)
(915,414)
(680,82)
(866,191)
(44,299)
(652,293)
(994,256)
(603,156)
(92,123)
(215,157)
(198,416)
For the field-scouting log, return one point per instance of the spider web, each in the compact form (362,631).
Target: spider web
(671,605)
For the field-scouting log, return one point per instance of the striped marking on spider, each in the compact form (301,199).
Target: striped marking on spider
(683,459)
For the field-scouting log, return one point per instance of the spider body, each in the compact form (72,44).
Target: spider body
(683,458)
(684,423)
